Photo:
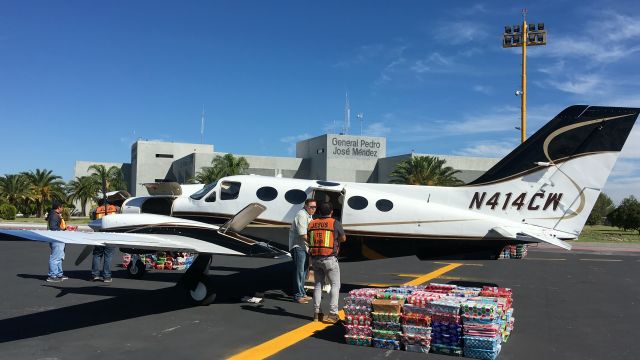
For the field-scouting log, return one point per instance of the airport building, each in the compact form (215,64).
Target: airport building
(326,157)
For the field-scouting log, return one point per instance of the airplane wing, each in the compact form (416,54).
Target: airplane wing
(158,232)
(128,240)
(530,234)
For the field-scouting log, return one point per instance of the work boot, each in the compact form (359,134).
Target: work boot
(331,319)
(302,300)
(317,316)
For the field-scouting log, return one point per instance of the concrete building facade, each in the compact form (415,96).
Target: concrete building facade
(325,157)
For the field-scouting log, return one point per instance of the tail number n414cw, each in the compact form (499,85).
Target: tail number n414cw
(537,201)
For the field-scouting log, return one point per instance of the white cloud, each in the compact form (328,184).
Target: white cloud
(581,84)
(483,89)
(488,149)
(292,140)
(460,32)
(433,63)
(377,129)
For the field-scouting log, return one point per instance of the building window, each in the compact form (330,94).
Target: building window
(295,196)
(384,205)
(160,180)
(166,156)
(229,190)
(267,193)
(357,202)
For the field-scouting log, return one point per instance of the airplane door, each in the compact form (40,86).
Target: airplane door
(336,198)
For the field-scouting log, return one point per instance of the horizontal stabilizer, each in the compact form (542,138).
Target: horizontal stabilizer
(530,235)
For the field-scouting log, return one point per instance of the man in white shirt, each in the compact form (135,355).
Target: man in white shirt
(299,248)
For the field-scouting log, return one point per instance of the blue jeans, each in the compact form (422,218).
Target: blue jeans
(55,259)
(301,266)
(106,253)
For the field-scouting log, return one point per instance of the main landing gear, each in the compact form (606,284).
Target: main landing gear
(195,280)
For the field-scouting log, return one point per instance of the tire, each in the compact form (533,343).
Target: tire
(203,293)
(137,271)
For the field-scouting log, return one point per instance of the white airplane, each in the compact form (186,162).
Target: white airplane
(543,191)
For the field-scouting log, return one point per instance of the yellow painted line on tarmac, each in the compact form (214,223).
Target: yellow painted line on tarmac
(409,275)
(465,264)
(599,259)
(292,337)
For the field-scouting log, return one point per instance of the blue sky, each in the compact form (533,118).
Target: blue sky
(82,80)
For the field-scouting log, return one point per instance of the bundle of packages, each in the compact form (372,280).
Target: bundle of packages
(446,334)
(482,335)
(416,328)
(464,292)
(416,343)
(445,349)
(520,251)
(497,292)
(357,311)
(405,290)
(422,298)
(506,252)
(391,295)
(446,305)
(386,327)
(440,288)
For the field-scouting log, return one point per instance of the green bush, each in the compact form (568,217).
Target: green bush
(8,211)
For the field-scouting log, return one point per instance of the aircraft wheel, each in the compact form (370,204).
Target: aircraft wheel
(136,269)
(202,294)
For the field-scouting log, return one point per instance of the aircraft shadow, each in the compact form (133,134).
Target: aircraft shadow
(124,303)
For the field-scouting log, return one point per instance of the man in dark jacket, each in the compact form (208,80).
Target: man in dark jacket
(54,223)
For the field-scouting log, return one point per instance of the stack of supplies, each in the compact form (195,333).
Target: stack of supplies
(358,316)
(482,335)
(386,327)
(440,288)
(416,328)
(520,251)
(446,333)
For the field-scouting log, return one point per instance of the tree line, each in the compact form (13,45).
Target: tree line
(31,193)
(625,216)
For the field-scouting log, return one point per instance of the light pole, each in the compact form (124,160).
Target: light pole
(529,35)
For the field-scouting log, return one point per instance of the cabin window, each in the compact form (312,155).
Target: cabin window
(357,202)
(204,191)
(267,193)
(295,196)
(229,190)
(384,205)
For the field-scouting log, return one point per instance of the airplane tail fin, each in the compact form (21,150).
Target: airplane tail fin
(553,179)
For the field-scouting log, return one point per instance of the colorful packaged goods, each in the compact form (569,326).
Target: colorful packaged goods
(357,310)
(446,319)
(362,320)
(390,296)
(358,330)
(416,330)
(479,311)
(422,298)
(385,317)
(481,354)
(405,290)
(447,305)
(387,306)
(416,319)
(357,301)
(414,309)
(440,288)
(446,350)
(364,292)
(481,343)
(388,326)
(358,340)
(386,344)
(384,334)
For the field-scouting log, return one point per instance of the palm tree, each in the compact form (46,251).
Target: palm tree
(425,170)
(83,189)
(222,166)
(14,188)
(112,177)
(44,187)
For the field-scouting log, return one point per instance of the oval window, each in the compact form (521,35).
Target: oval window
(295,196)
(384,205)
(327,183)
(266,193)
(357,202)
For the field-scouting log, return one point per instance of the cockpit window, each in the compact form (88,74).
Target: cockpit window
(229,190)
(202,192)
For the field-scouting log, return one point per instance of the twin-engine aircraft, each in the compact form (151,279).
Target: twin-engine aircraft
(543,191)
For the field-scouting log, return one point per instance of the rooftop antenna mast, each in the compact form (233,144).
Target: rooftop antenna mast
(347,114)
(202,126)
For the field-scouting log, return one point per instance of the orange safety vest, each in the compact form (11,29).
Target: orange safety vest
(100,211)
(321,237)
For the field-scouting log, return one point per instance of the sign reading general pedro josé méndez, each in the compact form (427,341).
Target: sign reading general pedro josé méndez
(355,147)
